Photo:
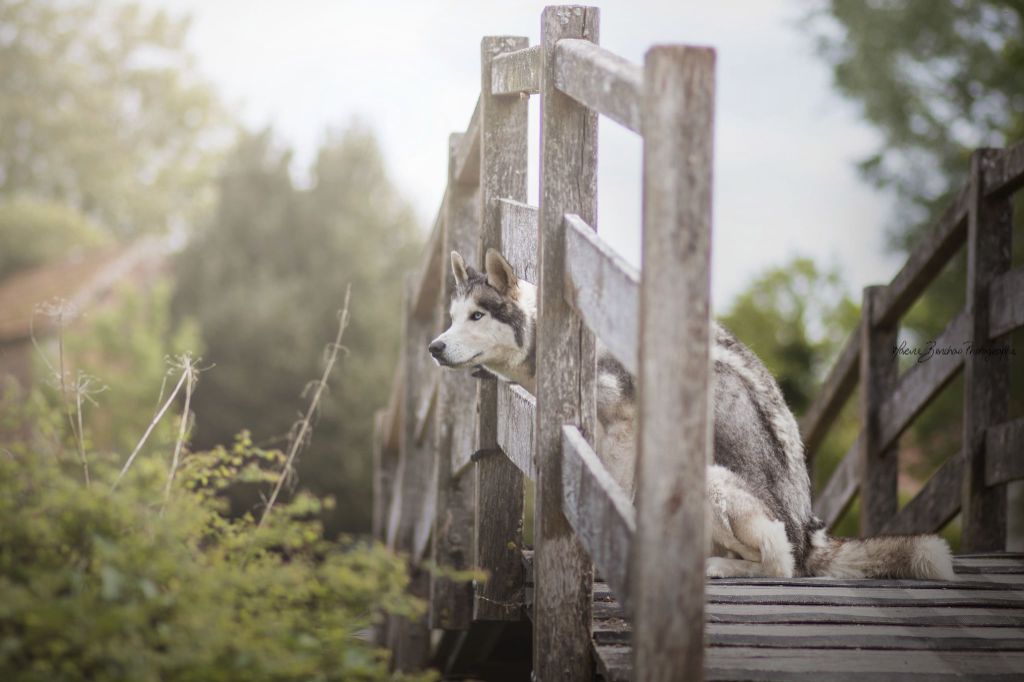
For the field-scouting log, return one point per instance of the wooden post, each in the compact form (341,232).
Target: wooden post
(674,442)
(986,377)
(879,371)
(499,484)
(568,184)
(451,603)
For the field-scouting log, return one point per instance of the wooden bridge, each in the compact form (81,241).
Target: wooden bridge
(456,456)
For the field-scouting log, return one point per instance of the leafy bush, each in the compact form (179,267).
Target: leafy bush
(100,585)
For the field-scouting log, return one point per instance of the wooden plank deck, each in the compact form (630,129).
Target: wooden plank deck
(819,628)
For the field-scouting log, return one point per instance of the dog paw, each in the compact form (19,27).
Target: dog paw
(714,569)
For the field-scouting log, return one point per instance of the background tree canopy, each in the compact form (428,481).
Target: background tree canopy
(265,278)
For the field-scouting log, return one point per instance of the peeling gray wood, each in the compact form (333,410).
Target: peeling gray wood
(986,377)
(934,505)
(601,80)
(467,157)
(516,72)
(599,511)
(866,596)
(1006,303)
(1003,173)
(926,261)
(675,416)
(517,414)
(499,484)
(604,289)
(451,603)
(916,388)
(425,413)
(879,370)
(842,486)
(832,396)
(866,615)
(568,184)
(1004,452)
(519,238)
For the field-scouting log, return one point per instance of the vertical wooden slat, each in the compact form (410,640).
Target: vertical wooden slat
(986,377)
(674,442)
(568,184)
(499,484)
(879,371)
(451,603)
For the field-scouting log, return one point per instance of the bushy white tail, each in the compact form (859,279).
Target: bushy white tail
(914,557)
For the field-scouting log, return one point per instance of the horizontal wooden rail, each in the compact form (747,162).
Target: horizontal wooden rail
(605,82)
(834,392)
(1004,174)
(517,413)
(467,156)
(516,72)
(923,381)
(1006,303)
(1004,452)
(519,237)
(843,485)
(601,515)
(604,289)
(935,504)
(925,262)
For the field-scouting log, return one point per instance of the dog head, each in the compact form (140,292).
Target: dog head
(491,319)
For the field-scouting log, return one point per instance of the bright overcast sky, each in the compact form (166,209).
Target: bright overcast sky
(785,145)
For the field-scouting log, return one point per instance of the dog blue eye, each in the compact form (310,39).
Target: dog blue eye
(476,316)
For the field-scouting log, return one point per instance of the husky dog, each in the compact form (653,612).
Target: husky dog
(758,487)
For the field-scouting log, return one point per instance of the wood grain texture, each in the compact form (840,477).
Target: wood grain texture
(1004,452)
(842,486)
(934,505)
(920,384)
(603,289)
(519,238)
(499,484)
(428,281)
(832,396)
(879,371)
(467,157)
(601,80)
(1003,174)
(451,603)
(1006,303)
(986,377)
(568,184)
(675,421)
(926,261)
(517,416)
(599,512)
(516,72)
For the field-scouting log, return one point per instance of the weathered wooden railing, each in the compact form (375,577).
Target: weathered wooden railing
(452,452)
(974,480)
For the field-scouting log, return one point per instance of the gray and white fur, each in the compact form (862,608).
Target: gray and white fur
(758,488)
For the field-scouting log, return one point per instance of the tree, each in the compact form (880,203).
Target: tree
(265,279)
(34,232)
(936,80)
(103,111)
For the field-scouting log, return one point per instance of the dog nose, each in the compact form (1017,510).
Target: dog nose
(436,348)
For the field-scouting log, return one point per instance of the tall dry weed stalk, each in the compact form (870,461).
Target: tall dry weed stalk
(302,429)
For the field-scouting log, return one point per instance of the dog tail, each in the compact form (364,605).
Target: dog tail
(910,557)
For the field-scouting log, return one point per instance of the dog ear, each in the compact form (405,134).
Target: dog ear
(459,269)
(500,274)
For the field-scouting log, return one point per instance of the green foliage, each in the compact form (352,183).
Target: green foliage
(795,317)
(125,345)
(936,80)
(99,586)
(103,111)
(265,279)
(34,232)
